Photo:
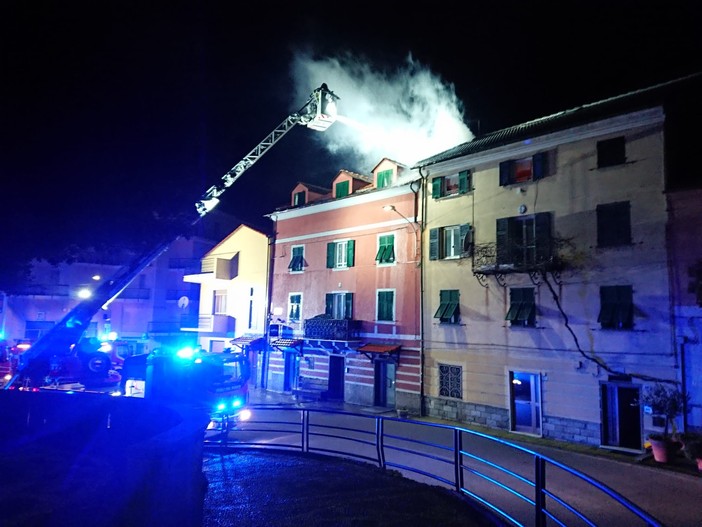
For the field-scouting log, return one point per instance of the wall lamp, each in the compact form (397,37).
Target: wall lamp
(392,208)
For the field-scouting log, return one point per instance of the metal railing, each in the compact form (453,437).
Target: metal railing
(518,485)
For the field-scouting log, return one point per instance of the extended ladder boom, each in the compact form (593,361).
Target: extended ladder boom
(318,113)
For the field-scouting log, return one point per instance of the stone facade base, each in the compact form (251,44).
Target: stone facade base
(558,428)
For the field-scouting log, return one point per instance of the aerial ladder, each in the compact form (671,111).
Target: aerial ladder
(63,352)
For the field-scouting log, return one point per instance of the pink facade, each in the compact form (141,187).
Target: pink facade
(352,264)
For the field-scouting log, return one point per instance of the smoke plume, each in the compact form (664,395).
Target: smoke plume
(407,114)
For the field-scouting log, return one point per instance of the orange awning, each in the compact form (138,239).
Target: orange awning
(377,350)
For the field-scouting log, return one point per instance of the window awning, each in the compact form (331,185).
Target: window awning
(288,345)
(371,350)
(254,342)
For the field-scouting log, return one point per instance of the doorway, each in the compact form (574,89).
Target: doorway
(621,415)
(335,387)
(384,385)
(525,402)
(290,372)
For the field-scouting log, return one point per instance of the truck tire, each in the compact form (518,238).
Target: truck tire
(97,363)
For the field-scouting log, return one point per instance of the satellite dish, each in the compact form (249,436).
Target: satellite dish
(183,302)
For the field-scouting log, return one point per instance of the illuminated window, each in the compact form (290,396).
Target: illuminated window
(386,249)
(450,381)
(339,305)
(220,302)
(527,169)
(455,241)
(340,254)
(459,183)
(297,260)
(294,307)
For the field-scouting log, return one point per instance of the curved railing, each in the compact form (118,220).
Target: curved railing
(520,486)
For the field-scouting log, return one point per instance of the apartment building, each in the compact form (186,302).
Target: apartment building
(233,290)
(345,290)
(547,293)
(149,313)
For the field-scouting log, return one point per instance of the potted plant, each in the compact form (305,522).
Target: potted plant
(669,402)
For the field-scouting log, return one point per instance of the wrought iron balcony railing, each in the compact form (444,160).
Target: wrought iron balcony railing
(331,328)
(489,259)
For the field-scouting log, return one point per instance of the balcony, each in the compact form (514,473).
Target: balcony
(321,328)
(222,325)
(491,259)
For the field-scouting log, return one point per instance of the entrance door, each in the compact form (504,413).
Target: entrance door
(384,385)
(335,388)
(621,415)
(290,373)
(525,402)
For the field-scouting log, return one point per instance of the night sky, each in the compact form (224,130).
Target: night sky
(117,116)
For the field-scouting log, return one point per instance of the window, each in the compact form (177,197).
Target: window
(386,305)
(450,381)
(220,303)
(384,178)
(386,249)
(611,152)
(294,307)
(339,305)
(448,307)
(450,185)
(527,169)
(522,306)
(340,254)
(614,224)
(299,199)
(455,241)
(341,189)
(524,242)
(616,307)
(297,259)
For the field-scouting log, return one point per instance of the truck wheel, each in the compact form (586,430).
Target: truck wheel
(97,363)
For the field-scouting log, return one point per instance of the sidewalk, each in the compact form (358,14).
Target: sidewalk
(672,494)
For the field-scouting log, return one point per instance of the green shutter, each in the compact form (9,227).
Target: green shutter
(385,302)
(540,165)
(348,306)
(502,239)
(466,235)
(506,170)
(436,187)
(542,227)
(463,186)
(350,253)
(342,189)
(331,255)
(433,244)
(329,304)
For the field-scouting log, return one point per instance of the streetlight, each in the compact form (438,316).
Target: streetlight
(392,208)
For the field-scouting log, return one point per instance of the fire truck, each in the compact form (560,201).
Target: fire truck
(65,359)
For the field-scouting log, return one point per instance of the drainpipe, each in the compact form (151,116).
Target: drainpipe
(423,186)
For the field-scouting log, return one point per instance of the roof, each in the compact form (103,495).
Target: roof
(687,88)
